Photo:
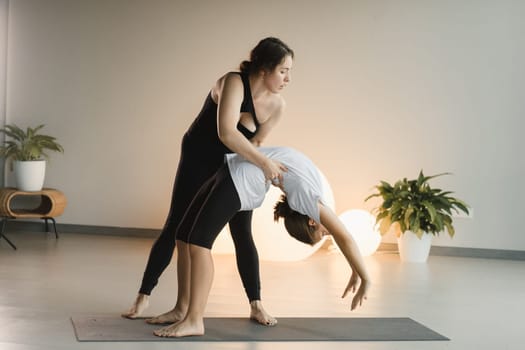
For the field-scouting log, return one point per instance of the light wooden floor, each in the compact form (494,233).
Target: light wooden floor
(477,303)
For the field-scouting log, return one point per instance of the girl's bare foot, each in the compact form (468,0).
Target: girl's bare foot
(184,328)
(141,303)
(172,316)
(257,313)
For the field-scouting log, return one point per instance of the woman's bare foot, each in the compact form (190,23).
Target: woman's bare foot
(141,303)
(184,328)
(172,316)
(257,313)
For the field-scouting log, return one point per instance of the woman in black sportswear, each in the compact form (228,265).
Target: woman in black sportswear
(237,115)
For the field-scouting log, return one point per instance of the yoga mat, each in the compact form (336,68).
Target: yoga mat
(115,328)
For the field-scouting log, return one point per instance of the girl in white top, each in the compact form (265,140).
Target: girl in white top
(240,185)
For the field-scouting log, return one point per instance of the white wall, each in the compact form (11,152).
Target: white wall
(381,89)
(4,9)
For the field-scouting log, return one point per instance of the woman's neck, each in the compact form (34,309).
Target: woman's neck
(257,87)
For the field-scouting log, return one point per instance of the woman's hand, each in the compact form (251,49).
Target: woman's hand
(362,291)
(273,171)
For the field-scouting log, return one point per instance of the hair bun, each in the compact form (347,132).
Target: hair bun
(245,66)
(268,54)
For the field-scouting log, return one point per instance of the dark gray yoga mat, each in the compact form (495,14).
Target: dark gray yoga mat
(114,328)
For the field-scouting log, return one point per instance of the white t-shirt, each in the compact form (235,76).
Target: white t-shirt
(302,182)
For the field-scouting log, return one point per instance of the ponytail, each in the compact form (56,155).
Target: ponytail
(295,223)
(282,209)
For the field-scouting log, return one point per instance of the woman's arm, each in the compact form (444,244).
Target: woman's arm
(351,252)
(231,93)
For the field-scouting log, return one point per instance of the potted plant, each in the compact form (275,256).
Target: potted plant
(413,205)
(26,152)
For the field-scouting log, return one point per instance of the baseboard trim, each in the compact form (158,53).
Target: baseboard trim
(38,225)
(15,225)
(465,252)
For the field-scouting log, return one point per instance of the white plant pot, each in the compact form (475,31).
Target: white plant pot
(413,249)
(29,175)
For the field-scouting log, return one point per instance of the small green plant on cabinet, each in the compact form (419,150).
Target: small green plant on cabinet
(28,144)
(413,205)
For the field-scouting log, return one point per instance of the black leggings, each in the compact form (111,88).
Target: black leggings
(214,205)
(195,168)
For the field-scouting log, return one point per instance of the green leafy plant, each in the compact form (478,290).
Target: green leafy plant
(26,145)
(415,206)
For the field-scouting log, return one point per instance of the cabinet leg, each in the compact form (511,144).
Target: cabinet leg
(54,226)
(4,224)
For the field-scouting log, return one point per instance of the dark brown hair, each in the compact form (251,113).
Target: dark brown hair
(295,223)
(267,55)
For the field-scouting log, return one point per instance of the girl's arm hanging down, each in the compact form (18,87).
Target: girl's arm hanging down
(351,252)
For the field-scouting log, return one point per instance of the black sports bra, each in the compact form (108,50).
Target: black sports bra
(247,107)
(204,127)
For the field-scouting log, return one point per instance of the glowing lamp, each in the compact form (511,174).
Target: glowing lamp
(362,226)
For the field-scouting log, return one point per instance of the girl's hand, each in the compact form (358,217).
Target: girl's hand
(361,294)
(352,284)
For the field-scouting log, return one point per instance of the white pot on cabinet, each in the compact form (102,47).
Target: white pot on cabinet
(30,175)
(412,248)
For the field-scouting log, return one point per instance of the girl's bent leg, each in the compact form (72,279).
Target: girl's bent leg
(220,204)
(202,272)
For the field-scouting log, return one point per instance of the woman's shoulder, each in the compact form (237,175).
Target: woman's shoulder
(231,76)
(277,105)
(280,102)
(230,80)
